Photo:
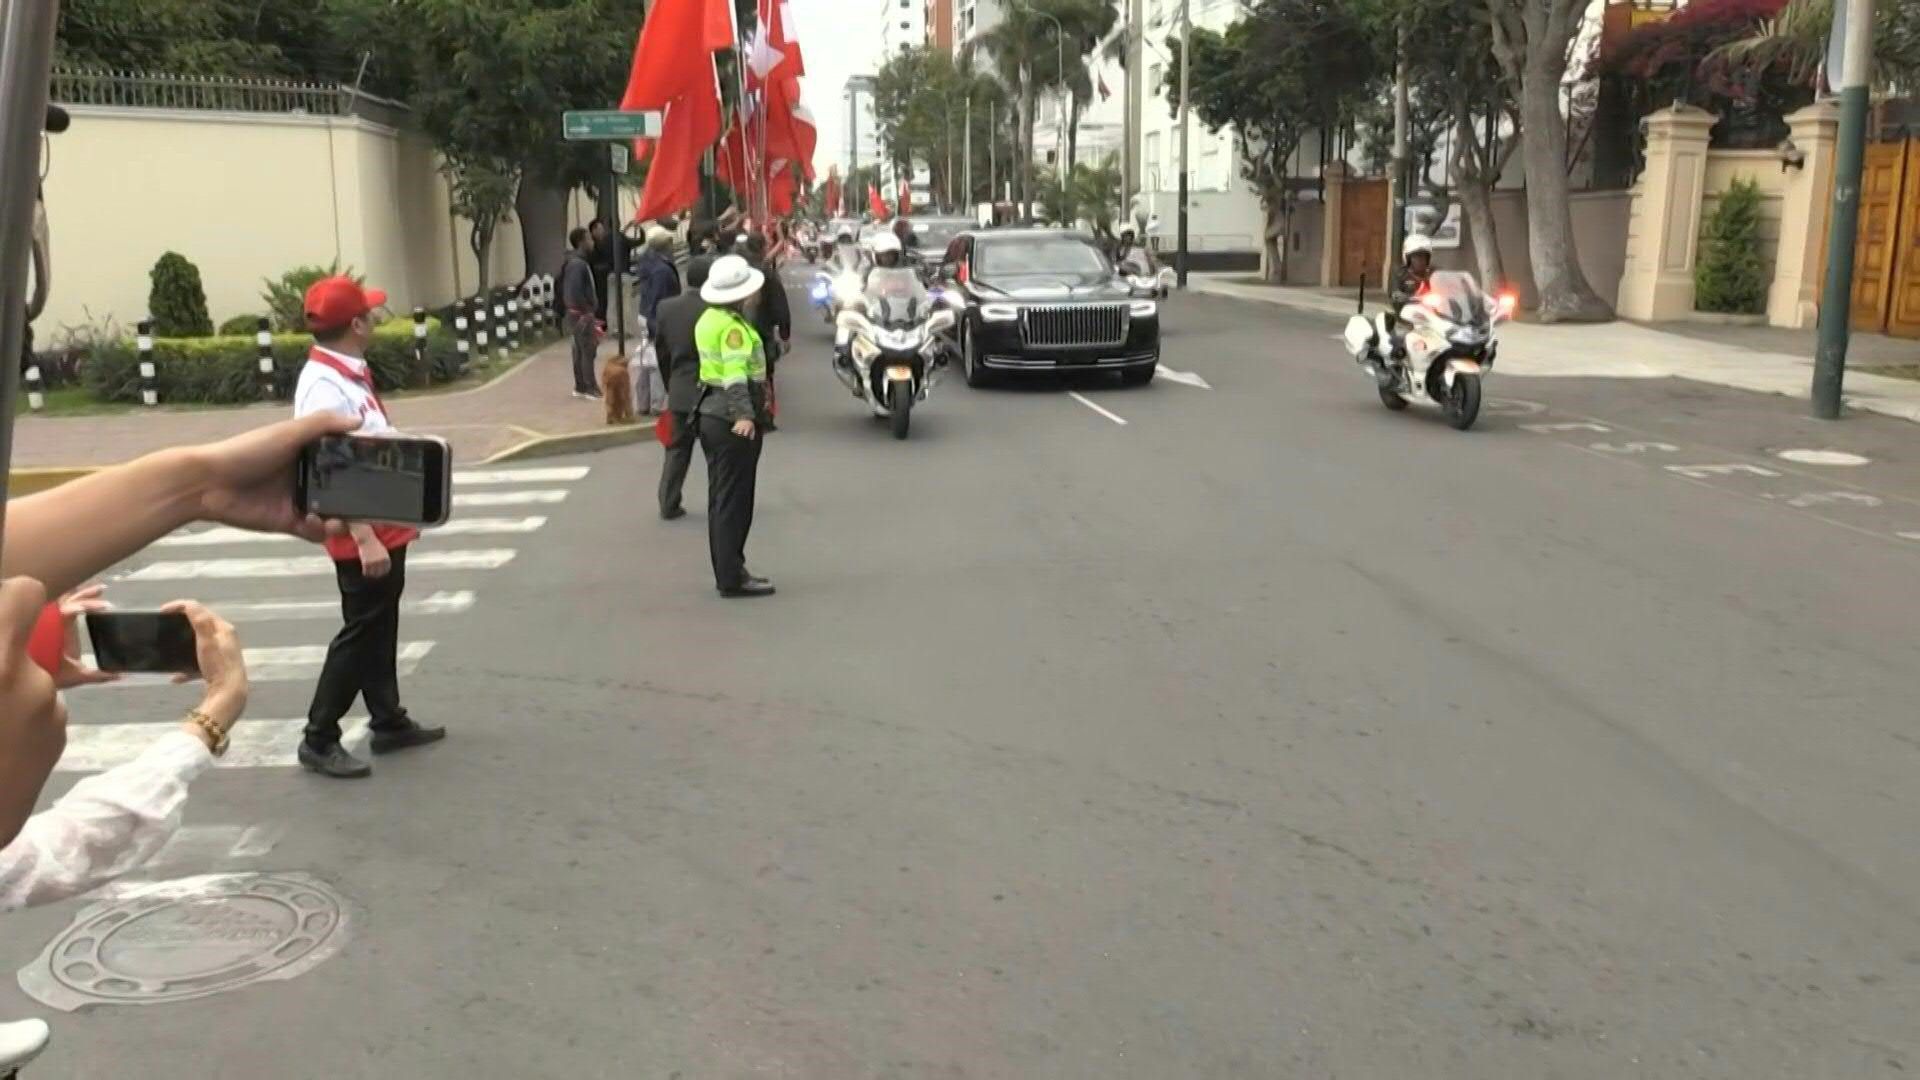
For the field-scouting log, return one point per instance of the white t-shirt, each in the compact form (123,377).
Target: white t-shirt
(322,389)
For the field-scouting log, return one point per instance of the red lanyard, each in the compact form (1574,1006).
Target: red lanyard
(363,379)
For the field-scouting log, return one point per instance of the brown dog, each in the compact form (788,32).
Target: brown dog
(616,391)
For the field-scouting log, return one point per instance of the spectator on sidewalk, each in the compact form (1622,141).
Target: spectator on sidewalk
(679,356)
(370,561)
(771,316)
(659,280)
(601,261)
(579,298)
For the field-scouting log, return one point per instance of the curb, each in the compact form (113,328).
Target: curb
(578,442)
(29,481)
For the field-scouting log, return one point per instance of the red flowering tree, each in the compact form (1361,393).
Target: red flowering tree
(1672,61)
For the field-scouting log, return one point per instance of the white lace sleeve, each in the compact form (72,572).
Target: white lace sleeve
(106,826)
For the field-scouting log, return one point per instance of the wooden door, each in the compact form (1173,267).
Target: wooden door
(1363,232)
(1875,243)
(1903,316)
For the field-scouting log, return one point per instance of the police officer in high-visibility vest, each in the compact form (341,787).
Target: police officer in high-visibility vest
(732,413)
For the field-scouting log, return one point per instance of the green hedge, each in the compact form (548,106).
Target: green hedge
(224,370)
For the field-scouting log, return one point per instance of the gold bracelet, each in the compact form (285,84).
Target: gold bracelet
(208,726)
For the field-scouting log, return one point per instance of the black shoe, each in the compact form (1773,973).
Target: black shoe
(749,588)
(673,513)
(333,761)
(410,734)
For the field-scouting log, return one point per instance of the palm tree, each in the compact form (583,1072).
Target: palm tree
(1020,43)
(1088,24)
(1797,36)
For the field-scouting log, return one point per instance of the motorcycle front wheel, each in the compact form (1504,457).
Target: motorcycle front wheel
(1391,400)
(1463,402)
(901,406)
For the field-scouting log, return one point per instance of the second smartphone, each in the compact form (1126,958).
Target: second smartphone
(406,480)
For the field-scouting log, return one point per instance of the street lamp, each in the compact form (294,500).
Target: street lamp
(1186,78)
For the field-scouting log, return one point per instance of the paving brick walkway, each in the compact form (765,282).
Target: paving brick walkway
(533,400)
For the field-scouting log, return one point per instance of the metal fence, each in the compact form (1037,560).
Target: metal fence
(150,90)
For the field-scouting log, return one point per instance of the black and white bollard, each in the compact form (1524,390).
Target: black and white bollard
(460,334)
(420,345)
(479,329)
(36,395)
(263,337)
(149,375)
(500,329)
(513,321)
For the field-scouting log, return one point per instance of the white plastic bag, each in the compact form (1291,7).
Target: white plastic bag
(649,389)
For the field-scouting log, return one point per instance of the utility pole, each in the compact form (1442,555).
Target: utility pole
(993,143)
(966,156)
(1397,183)
(1836,300)
(1130,158)
(1186,84)
(26,55)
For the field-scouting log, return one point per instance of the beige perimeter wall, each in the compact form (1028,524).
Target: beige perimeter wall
(247,196)
(1599,234)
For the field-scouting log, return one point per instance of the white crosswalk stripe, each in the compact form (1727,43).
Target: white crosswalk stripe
(536,497)
(251,743)
(445,602)
(283,663)
(559,474)
(480,526)
(310,565)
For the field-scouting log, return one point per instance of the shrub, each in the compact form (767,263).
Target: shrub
(224,370)
(286,298)
(240,325)
(1731,276)
(178,303)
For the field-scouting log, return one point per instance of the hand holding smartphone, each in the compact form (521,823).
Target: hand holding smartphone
(406,480)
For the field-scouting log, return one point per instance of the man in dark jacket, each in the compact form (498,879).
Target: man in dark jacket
(679,353)
(772,317)
(579,298)
(659,281)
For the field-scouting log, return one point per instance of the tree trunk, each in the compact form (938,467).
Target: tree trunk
(1476,201)
(541,206)
(1073,133)
(481,240)
(1565,295)
(1274,241)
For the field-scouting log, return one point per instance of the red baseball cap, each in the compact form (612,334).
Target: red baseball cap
(336,301)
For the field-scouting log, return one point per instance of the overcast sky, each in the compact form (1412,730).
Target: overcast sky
(838,38)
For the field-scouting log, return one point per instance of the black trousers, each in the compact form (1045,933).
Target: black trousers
(361,661)
(733,466)
(673,471)
(586,347)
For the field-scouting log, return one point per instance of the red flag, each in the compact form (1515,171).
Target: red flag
(875,203)
(906,198)
(673,71)
(790,130)
(730,164)
(775,54)
(780,190)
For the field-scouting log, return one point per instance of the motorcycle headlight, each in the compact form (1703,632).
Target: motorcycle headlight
(1144,309)
(999,312)
(901,340)
(1467,335)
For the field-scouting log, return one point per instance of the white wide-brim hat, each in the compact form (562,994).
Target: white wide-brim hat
(731,280)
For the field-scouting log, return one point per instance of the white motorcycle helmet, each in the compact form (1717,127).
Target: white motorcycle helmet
(1414,244)
(885,243)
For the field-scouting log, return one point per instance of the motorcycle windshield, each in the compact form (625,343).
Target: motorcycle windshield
(895,298)
(1457,298)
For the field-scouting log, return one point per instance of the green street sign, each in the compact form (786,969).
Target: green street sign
(610,124)
(620,155)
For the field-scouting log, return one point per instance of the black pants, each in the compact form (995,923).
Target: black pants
(586,346)
(673,471)
(733,465)
(361,661)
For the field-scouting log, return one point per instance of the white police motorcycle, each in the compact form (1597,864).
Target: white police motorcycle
(891,342)
(1448,348)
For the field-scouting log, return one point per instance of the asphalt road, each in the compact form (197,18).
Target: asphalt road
(1267,734)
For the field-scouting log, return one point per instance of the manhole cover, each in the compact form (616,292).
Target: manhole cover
(190,938)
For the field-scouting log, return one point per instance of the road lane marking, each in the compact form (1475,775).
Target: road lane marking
(1574,425)
(479,526)
(285,663)
(1635,447)
(1822,457)
(252,744)
(559,474)
(511,498)
(1082,399)
(1701,472)
(1185,378)
(310,565)
(445,602)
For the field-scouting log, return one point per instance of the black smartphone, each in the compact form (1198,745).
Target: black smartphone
(403,479)
(143,641)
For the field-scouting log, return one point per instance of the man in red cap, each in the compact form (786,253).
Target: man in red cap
(370,561)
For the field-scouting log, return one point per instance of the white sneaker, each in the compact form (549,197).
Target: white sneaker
(21,1042)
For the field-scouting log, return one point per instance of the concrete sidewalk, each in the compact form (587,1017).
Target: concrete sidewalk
(1621,350)
(528,411)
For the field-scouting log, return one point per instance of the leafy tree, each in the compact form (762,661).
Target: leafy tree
(1092,193)
(920,105)
(1797,36)
(285,38)
(286,296)
(1533,42)
(1682,58)
(177,301)
(1285,68)
(1731,276)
